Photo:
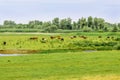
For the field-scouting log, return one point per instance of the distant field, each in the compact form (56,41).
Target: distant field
(98,65)
(61,41)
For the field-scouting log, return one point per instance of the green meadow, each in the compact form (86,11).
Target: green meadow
(79,41)
(68,56)
(69,65)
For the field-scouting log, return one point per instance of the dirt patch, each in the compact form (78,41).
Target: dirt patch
(18,51)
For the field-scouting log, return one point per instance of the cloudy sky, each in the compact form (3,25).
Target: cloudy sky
(22,11)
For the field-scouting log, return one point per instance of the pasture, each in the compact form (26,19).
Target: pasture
(99,65)
(67,41)
(61,56)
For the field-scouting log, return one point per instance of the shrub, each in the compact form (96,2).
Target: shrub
(117,47)
(104,48)
(111,43)
(115,29)
(87,29)
(117,39)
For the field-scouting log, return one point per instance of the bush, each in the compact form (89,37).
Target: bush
(117,39)
(111,43)
(87,45)
(117,47)
(87,29)
(115,29)
(51,28)
(104,48)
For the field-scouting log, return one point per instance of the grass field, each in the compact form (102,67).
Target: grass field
(82,41)
(98,65)
(80,58)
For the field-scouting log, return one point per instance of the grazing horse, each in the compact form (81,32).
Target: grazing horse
(33,38)
(99,36)
(62,39)
(84,37)
(112,37)
(43,40)
(52,37)
(58,37)
(4,43)
(108,37)
(72,37)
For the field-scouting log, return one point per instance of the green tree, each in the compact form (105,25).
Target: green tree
(51,28)
(96,23)
(83,22)
(119,25)
(46,24)
(90,21)
(78,23)
(105,29)
(66,24)
(69,23)
(115,28)
(74,26)
(55,21)
(86,29)
(9,24)
(101,23)
(34,23)
(62,24)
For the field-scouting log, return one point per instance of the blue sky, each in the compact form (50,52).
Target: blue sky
(23,11)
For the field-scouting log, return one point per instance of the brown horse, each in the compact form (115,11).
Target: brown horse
(33,38)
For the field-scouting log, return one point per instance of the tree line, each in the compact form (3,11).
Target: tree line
(82,24)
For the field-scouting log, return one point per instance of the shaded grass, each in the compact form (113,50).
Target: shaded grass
(60,66)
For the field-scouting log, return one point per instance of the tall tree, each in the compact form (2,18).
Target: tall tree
(101,23)
(74,26)
(46,24)
(69,23)
(55,21)
(34,23)
(83,22)
(62,24)
(96,23)
(66,24)
(119,25)
(9,22)
(90,21)
(78,23)
(115,29)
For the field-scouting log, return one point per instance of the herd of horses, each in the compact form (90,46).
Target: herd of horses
(56,37)
(44,40)
(71,37)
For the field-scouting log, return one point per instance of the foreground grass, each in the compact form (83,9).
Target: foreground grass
(98,65)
